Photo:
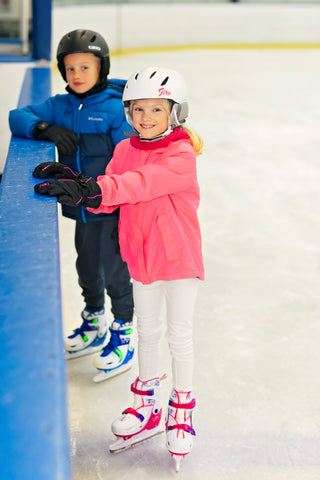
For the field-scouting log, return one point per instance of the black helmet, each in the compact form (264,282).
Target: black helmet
(84,41)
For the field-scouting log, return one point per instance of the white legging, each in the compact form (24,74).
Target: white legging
(180,298)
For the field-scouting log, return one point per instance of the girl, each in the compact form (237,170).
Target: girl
(152,177)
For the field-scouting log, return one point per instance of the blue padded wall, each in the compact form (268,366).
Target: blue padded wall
(34,442)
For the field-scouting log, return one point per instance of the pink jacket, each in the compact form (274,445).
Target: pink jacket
(155,185)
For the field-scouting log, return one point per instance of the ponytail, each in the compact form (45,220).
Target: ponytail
(196,141)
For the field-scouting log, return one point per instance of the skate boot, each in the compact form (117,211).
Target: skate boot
(142,421)
(116,356)
(89,337)
(179,428)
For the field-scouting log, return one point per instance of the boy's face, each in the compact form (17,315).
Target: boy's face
(150,116)
(82,71)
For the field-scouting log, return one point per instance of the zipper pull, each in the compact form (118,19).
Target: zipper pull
(80,106)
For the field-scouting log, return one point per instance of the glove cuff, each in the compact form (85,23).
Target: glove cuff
(92,192)
(39,128)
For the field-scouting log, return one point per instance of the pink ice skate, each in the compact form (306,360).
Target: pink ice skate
(142,421)
(179,429)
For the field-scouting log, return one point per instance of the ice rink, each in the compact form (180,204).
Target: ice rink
(257,325)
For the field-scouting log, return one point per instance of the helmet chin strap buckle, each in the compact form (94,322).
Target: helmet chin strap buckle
(131,133)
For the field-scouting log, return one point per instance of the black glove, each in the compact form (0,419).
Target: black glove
(65,140)
(54,169)
(82,191)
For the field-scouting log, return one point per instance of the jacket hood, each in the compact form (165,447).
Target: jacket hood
(113,89)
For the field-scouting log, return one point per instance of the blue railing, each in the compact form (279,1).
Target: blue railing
(34,439)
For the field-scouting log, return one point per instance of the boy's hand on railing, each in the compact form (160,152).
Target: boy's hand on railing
(82,191)
(64,138)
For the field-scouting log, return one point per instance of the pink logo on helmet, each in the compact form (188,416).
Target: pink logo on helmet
(163,92)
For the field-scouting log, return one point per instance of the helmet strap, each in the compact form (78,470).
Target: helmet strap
(158,137)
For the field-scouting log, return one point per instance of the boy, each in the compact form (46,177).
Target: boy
(85,124)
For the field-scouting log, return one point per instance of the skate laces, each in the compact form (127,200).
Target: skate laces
(181,415)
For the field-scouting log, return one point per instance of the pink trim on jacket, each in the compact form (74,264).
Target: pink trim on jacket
(155,184)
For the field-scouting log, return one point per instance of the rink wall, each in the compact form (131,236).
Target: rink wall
(33,406)
(129,28)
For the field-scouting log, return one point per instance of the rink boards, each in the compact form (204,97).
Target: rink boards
(33,409)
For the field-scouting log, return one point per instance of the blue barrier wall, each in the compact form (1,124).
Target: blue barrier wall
(41,29)
(34,441)
(40,36)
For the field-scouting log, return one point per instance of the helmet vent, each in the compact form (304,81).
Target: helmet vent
(93,39)
(165,81)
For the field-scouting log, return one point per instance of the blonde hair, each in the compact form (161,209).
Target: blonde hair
(196,141)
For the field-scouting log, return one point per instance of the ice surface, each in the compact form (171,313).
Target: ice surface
(257,325)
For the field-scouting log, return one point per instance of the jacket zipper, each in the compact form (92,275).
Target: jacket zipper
(83,214)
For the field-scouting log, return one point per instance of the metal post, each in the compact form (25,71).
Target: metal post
(24,14)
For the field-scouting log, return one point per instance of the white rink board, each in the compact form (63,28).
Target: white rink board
(133,26)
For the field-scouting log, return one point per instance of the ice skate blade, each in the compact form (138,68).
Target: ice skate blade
(82,353)
(104,375)
(177,460)
(121,444)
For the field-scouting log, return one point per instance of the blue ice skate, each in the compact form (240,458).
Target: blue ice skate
(90,337)
(117,355)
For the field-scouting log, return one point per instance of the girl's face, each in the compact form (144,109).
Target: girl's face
(150,116)
(82,71)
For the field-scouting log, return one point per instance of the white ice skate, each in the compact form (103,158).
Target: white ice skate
(142,421)
(90,337)
(117,355)
(179,429)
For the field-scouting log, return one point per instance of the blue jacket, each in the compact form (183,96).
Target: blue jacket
(98,121)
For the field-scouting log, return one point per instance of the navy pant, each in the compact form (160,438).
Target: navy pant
(100,268)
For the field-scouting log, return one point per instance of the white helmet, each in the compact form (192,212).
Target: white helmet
(158,82)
